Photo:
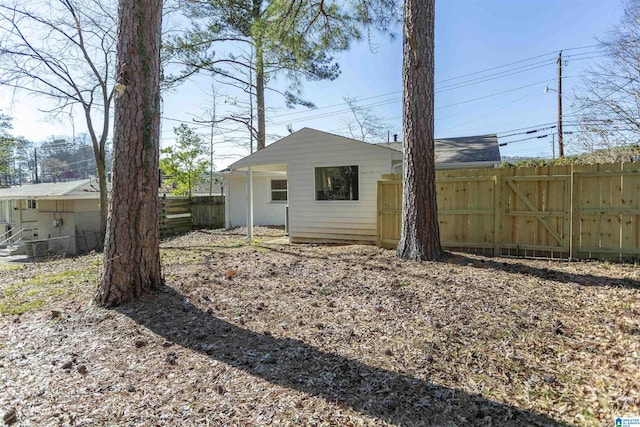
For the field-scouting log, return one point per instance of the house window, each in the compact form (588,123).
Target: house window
(278,190)
(337,183)
(31,204)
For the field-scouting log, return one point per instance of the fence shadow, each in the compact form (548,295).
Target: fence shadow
(460,258)
(385,395)
(544,273)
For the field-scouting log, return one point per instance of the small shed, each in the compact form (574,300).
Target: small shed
(323,187)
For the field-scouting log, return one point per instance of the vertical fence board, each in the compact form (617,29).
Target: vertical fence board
(630,200)
(606,212)
(389,211)
(207,211)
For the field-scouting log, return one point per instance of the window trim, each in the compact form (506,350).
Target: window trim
(278,190)
(315,189)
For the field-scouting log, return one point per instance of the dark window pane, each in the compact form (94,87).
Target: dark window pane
(279,190)
(279,184)
(337,183)
(279,196)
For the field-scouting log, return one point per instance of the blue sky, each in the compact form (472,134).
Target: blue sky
(517,41)
(493,61)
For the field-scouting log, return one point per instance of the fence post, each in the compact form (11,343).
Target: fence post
(574,219)
(497,213)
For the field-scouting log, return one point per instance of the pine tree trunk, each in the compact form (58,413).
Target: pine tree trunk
(132,251)
(420,237)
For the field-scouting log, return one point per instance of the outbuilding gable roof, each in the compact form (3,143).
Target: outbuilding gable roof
(281,148)
(469,149)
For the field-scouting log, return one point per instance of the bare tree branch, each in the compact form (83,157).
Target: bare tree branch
(64,50)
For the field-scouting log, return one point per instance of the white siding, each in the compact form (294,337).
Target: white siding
(353,220)
(79,230)
(326,220)
(265,212)
(87,224)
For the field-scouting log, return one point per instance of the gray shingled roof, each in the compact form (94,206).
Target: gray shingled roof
(466,149)
(82,189)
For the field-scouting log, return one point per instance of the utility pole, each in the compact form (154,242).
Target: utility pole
(35,162)
(213,128)
(213,122)
(560,139)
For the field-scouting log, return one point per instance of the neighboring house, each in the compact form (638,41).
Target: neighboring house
(204,187)
(467,152)
(324,186)
(65,214)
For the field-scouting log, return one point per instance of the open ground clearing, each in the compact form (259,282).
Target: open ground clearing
(274,334)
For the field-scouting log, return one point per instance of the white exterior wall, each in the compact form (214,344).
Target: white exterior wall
(265,212)
(62,237)
(352,220)
(325,220)
(86,221)
(27,219)
(79,230)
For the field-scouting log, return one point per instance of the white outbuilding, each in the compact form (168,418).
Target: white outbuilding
(323,187)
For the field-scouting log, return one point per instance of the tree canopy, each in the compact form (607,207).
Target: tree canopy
(183,162)
(64,51)
(6,149)
(294,38)
(609,99)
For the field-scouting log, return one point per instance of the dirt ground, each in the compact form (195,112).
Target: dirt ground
(314,335)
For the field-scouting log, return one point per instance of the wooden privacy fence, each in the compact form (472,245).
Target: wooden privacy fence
(182,214)
(207,211)
(581,211)
(175,215)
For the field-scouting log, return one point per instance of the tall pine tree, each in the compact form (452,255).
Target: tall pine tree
(420,234)
(132,245)
(291,37)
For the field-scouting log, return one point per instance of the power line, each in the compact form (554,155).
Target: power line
(462,84)
(515,62)
(476,80)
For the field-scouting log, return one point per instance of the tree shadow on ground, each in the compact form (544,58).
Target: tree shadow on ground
(382,394)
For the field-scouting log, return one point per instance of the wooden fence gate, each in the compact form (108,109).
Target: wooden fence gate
(536,216)
(587,211)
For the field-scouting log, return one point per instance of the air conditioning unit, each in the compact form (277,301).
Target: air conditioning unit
(57,222)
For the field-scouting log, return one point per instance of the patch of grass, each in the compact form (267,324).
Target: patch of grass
(10,267)
(41,290)
(21,306)
(587,414)
(325,291)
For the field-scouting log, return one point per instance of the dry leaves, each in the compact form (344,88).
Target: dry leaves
(273,334)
